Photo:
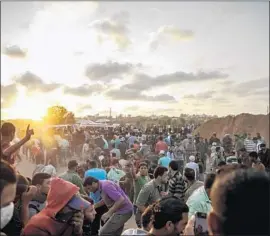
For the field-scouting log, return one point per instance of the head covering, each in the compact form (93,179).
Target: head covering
(134,232)
(214,144)
(161,152)
(122,139)
(101,157)
(192,158)
(60,193)
(50,169)
(78,203)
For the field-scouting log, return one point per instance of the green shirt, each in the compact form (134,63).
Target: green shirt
(74,178)
(199,202)
(138,184)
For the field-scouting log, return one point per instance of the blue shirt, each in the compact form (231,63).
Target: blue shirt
(97,173)
(164,161)
(96,196)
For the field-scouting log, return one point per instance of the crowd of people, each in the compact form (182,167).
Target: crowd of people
(160,178)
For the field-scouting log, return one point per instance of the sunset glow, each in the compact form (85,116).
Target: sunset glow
(93,56)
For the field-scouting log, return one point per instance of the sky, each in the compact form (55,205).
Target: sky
(138,58)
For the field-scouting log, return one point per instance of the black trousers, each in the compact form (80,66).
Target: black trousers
(97,221)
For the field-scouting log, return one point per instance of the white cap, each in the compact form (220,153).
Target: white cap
(192,158)
(162,152)
(101,157)
(214,144)
(134,232)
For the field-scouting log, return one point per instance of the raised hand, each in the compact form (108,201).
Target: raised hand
(29,133)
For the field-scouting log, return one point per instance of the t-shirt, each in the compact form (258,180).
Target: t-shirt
(111,192)
(164,161)
(139,183)
(97,173)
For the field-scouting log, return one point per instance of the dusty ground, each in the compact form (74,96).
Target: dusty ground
(26,168)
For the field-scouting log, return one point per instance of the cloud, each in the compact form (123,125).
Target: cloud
(114,28)
(133,94)
(14,51)
(107,71)
(34,83)
(248,88)
(199,96)
(84,108)
(8,95)
(144,82)
(83,90)
(169,33)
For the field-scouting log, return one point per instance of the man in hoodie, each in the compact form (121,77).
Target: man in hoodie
(63,214)
(42,181)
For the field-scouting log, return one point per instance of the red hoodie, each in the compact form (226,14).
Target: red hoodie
(44,223)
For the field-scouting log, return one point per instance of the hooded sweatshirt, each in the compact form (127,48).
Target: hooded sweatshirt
(44,223)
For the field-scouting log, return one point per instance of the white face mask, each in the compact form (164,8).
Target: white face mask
(6,214)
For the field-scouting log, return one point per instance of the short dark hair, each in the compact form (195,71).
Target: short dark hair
(93,164)
(89,181)
(7,128)
(22,185)
(233,192)
(7,175)
(113,154)
(168,209)
(113,145)
(147,216)
(39,178)
(221,163)
(88,199)
(143,164)
(72,164)
(209,180)
(174,165)
(160,138)
(189,174)
(159,171)
(254,155)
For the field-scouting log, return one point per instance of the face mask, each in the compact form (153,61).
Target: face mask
(6,214)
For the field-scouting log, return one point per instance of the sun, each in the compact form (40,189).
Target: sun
(28,107)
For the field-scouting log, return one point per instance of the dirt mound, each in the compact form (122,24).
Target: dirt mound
(236,125)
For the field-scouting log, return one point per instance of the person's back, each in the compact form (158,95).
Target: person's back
(164,161)
(199,201)
(97,173)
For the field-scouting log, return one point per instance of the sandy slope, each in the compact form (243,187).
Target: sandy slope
(235,125)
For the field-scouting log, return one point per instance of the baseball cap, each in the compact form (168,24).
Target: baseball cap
(122,139)
(162,152)
(78,203)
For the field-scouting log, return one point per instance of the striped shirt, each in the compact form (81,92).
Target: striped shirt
(177,185)
(250,146)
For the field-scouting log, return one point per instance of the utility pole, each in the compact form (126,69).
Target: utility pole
(110,112)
